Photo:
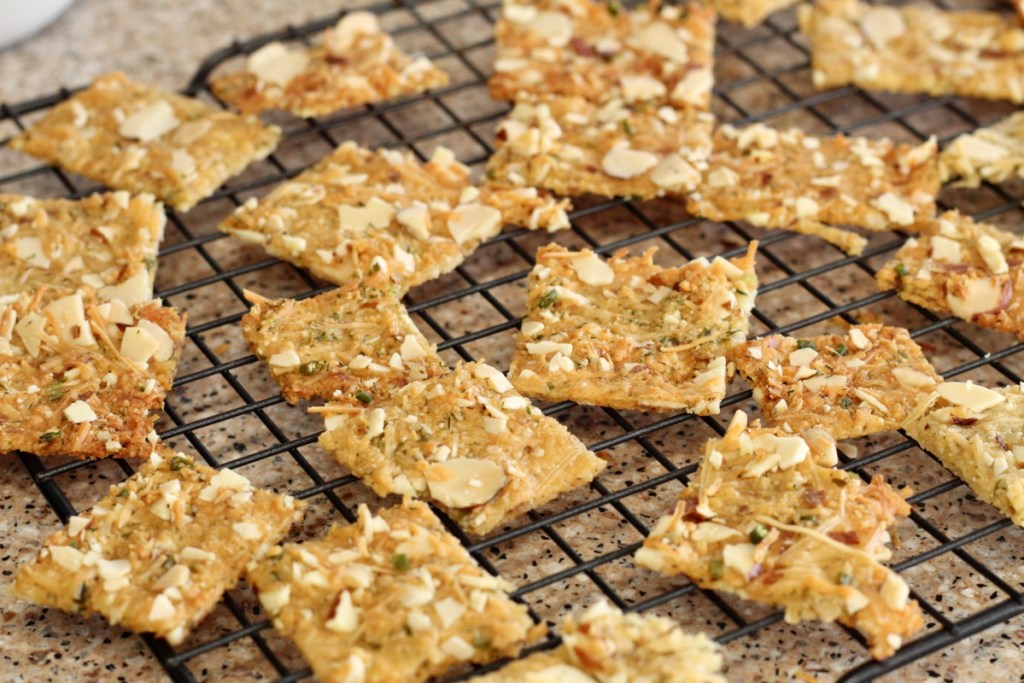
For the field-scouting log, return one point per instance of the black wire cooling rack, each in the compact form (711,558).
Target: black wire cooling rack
(961,559)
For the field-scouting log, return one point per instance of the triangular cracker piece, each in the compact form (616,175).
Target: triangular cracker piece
(978,434)
(967,269)
(767,517)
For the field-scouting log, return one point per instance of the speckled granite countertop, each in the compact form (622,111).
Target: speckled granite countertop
(164,42)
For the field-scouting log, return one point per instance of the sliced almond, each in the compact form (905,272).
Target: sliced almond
(285,359)
(165,345)
(554,27)
(659,38)
(970,395)
(792,451)
(909,378)
(946,250)
(674,172)
(974,297)
(150,122)
(694,88)
(275,63)
(67,557)
(138,345)
(465,482)
(882,24)
(624,163)
(275,600)
(640,88)
(416,219)
(135,290)
(898,210)
(592,269)
(68,314)
(802,356)
(469,222)
(31,250)
(349,28)
(161,609)
(992,253)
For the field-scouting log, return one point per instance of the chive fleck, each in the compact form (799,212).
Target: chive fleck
(901,270)
(717,568)
(481,640)
(168,562)
(841,350)
(179,462)
(845,402)
(805,344)
(363,396)
(844,578)
(548,299)
(49,435)
(54,391)
(614,7)
(758,533)
(313,367)
(626,127)
(124,492)
(400,561)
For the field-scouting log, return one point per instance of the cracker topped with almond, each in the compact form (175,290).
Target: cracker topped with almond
(136,137)
(572,146)
(963,268)
(657,54)
(107,242)
(361,211)
(861,382)
(994,154)
(466,441)
(626,333)
(351,344)
(390,597)
(158,552)
(79,375)
(768,517)
(357,63)
(605,645)
(790,180)
(915,48)
(978,434)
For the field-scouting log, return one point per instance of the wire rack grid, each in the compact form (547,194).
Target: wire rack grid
(960,558)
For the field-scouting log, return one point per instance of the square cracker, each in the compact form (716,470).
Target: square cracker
(628,334)
(914,48)
(160,550)
(356,64)
(105,241)
(603,644)
(354,343)
(767,517)
(967,269)
(794,181)
(391,597)
(79,377)
(360,210)
(572,146)
(138,138)
(993,154)
(865,381)
(749,12)
(978,434)
(598,51)
(466,441)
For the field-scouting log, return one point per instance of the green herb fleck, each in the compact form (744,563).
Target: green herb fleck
(548,299)
(363,396)
(717,568)
(740,292)
(551,386)
(758,533)
(481,640)
(809,520)
(49,435)
(123,493)
(180,462)
(614,7)
(375,266)
(54,391)
(400,561)
(901,270)
(313,367)
(168,562)
(845,402)
(626,127)
(841,350)
(805,344)
(844,578)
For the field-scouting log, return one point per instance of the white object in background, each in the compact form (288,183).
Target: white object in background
(19,19)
